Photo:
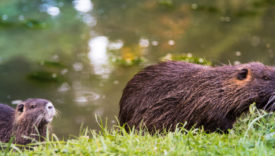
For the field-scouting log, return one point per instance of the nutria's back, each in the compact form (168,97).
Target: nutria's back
(27,122)
(6,120)
(169,93)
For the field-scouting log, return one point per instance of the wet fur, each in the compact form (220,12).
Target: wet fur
(170,93)
(25,127)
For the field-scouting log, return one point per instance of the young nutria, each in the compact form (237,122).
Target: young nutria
(164,95)
(28,122)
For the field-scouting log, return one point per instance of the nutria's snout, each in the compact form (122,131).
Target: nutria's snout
(270,105)
(50,112)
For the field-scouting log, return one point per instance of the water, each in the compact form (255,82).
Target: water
(80,54)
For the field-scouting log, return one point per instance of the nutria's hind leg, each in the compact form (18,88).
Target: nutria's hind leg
(219,125)
(227,125)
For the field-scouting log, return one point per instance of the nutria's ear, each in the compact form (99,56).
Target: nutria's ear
(242,74)
(20,107)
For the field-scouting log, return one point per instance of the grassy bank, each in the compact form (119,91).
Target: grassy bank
(253,134)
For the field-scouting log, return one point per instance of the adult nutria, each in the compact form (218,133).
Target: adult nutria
(28,122)
(164,95)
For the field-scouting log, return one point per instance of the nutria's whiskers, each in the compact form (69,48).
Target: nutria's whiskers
(38,120)
(270,104)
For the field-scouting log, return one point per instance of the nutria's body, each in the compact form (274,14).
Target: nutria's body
(26,123)
(170,93)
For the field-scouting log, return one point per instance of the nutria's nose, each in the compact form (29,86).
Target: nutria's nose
(50,106)
(50,112)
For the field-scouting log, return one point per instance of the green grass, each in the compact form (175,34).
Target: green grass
(253,134)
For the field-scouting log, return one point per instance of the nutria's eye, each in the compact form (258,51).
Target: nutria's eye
(266,77)
(242,74)
(33,106)
(20,108)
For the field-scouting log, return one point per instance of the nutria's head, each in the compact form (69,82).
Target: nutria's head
(31,120)
(258,83)
(36,111)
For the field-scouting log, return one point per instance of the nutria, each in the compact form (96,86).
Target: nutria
(28,122)
(175,93)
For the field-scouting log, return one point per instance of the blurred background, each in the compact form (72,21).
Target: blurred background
(80,54)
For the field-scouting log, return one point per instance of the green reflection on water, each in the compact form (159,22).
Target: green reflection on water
(81,56)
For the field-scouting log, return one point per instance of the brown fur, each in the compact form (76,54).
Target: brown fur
(170,93)
(25,124)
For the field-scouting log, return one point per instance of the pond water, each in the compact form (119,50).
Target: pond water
(80,54)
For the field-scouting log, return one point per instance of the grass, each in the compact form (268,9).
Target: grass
(253,134)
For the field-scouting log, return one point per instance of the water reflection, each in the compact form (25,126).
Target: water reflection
(89,20)
(99,57)
(115,45)
(5,17)
(144,42)
(53,11)
(78,66)
(64,87)
(51,7)
(83,5)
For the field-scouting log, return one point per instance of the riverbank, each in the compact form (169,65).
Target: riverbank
(253,134)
